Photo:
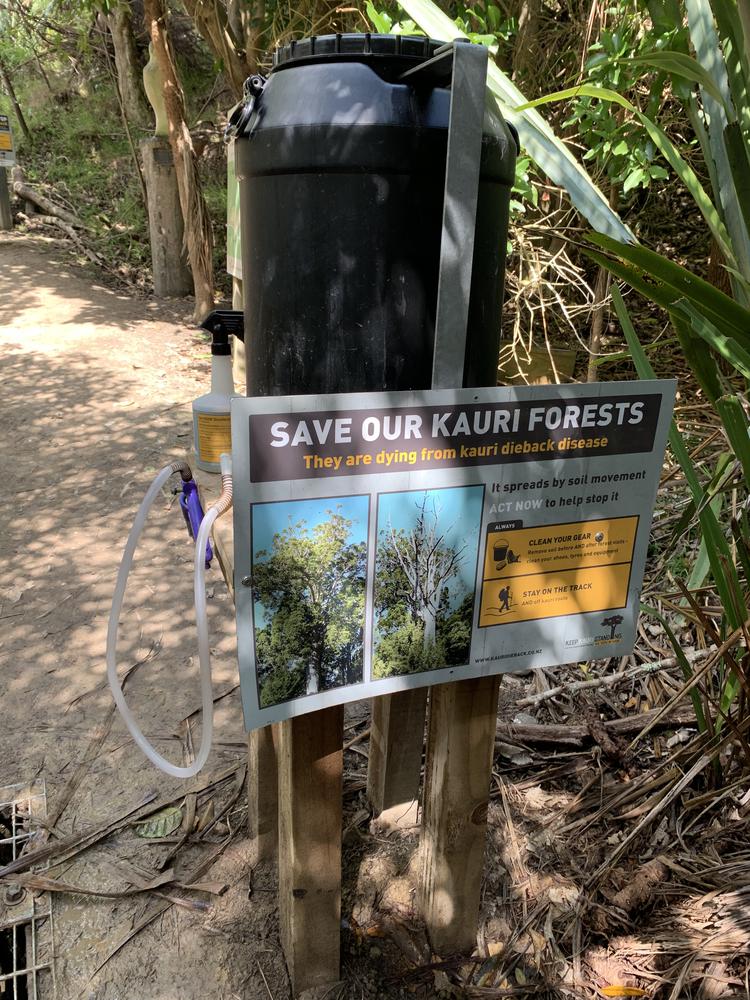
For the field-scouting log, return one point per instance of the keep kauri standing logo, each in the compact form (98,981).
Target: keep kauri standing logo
(611,623)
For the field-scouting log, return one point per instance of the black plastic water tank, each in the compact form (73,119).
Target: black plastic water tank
(341,170)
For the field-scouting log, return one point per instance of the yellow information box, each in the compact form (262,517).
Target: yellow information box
(557,569)
(550,595)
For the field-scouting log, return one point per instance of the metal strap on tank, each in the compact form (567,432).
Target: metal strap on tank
(465,65)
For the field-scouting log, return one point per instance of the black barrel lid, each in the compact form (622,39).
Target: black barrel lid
(403,50)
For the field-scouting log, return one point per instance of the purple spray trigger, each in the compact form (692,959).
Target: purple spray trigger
(192,511)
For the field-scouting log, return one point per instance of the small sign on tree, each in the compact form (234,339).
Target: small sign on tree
(7,151)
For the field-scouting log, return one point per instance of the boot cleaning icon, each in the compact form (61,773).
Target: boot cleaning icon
(502,554)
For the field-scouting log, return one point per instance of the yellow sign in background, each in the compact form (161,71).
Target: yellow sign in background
(7,154)
(558,569)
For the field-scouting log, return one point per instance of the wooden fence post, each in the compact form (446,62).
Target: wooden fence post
(310,761)
(395,763)
(458,769)
(169,265)
(6,216)
(262,791)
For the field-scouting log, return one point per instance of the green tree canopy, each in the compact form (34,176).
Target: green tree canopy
(311,589)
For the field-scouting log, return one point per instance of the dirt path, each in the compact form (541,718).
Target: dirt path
(96,391)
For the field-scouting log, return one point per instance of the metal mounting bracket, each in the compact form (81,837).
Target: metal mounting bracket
(464,65)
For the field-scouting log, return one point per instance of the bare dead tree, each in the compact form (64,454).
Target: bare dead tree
(427,563)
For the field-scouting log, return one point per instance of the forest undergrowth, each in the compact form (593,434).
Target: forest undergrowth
(619,862)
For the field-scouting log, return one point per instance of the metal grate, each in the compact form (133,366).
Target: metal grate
(27,970)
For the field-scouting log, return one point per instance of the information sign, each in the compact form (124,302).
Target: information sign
(391,540)
(7,152)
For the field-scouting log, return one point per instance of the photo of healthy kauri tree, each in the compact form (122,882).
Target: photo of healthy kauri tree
(425,570)
(309,571)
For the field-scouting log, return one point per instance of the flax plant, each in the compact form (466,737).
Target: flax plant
(713,328)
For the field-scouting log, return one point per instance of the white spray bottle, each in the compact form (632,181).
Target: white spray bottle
(211,422)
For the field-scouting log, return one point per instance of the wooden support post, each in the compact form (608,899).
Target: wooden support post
(395,764)
(6,216)
(458,767)
(262,791)
(310,762)
(169,265)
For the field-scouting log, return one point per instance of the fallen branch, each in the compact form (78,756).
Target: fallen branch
(357,739)
(43,883)
(68,847)
(76,842)
(609,680)
(578,736)
(23,190)
(663,803)
(52,220)
(192,876)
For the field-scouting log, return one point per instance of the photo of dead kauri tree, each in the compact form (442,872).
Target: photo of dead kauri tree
(309,562)
(424,579)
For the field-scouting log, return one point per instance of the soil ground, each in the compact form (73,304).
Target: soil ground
(96,391)
(604,869)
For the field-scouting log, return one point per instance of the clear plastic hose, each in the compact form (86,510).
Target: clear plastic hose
(204,655)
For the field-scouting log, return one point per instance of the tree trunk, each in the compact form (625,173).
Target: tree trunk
(429,618)
(601,294)
(129,70)
(526,49)
(10,91)
(213,24)
(251,25)
(198,235)
(312,683)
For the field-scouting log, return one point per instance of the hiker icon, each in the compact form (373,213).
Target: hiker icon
(504,598)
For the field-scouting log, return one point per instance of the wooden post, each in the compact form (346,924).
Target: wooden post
(458,767)
(6,216)
(310,761)
(395,763)
(262,791)
(172,278)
